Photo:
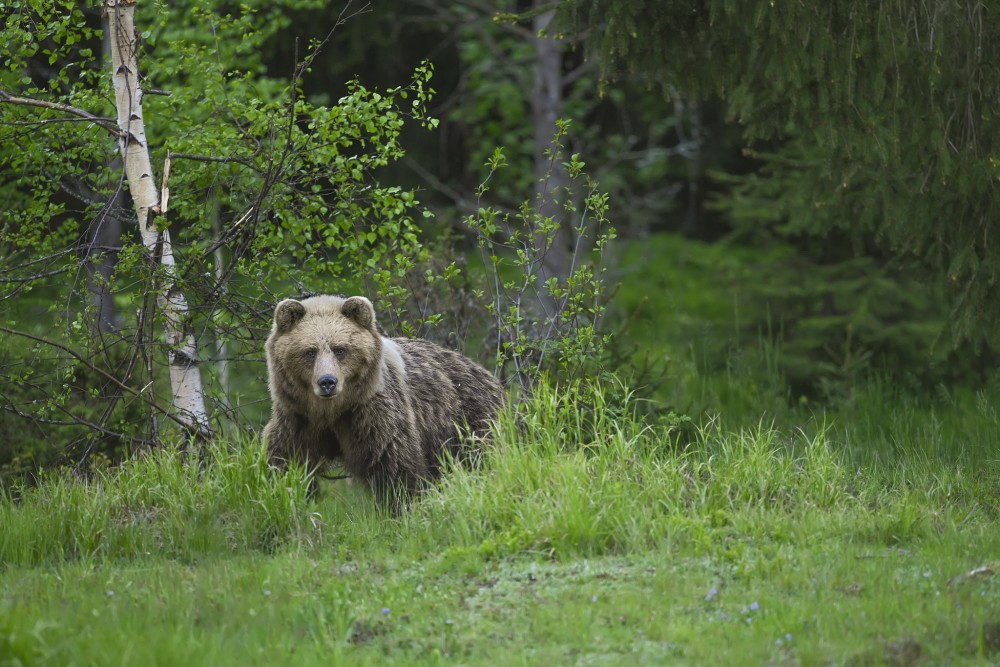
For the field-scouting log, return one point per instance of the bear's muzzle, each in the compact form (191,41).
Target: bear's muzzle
(326,386)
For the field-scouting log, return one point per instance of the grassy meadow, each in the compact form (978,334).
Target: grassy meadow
(587,537)
(718,519)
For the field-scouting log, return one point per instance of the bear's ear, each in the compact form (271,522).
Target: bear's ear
(287,315)
(361,310)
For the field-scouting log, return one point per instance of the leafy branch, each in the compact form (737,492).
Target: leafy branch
(104,123)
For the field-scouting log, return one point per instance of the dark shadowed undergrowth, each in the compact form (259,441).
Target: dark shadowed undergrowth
(583,535)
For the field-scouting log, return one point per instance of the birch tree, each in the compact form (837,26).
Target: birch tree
(185,377)
(274,195)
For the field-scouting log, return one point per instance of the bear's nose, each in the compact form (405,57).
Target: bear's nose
(327,385)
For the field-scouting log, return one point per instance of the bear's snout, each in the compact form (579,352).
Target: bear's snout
(326,386)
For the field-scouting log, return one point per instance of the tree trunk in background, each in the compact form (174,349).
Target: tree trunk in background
(221,349)
(185,377)
(104,233)
(551,177)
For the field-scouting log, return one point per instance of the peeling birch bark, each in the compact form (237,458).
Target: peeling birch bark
(185,377)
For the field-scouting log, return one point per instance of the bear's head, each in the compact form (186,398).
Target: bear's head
(324,347)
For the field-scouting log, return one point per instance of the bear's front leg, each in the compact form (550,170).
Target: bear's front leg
(396,472)
(394,492)
(280,441)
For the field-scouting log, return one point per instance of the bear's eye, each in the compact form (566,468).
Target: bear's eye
(310,355)
(340,352)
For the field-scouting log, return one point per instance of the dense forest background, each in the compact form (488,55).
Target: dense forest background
(735,208)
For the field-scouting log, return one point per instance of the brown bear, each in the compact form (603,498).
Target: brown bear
(389,408)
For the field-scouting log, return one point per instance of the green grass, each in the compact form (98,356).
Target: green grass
(583,538)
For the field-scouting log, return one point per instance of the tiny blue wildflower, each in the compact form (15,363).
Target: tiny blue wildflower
(788,637)
(448,621)
(593,599)
(711,594)
(754,606)
(385,610)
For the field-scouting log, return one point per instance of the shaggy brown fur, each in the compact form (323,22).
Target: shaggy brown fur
(387,407)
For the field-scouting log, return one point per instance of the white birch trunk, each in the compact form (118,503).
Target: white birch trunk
(185,377)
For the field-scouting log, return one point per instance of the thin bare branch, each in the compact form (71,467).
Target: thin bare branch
(192,429)
(106,123)
(246,162)
(38,276)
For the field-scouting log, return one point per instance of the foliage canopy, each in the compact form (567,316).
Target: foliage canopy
(872,119)
(260,176)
